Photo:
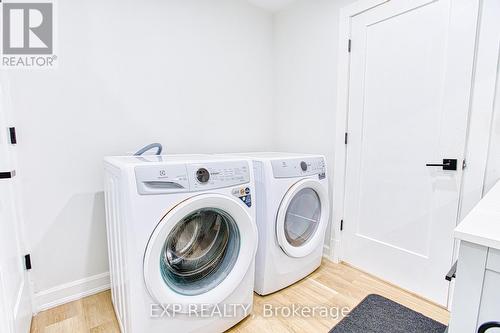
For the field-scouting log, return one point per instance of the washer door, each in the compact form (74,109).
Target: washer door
(302,218)
(200,251)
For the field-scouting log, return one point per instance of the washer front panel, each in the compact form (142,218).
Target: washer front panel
(225,251)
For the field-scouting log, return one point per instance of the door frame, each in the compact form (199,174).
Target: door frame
(468,12)
(11,165)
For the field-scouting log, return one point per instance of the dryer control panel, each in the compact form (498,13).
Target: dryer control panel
(299,167)
(173,178)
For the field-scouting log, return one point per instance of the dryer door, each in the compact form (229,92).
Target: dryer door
(302,218)
(200,251)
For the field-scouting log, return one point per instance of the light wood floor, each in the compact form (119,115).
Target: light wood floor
(332,285)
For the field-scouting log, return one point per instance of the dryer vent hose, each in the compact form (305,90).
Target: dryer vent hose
(158,147)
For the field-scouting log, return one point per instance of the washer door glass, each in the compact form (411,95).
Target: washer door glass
(302,217)
(200,251)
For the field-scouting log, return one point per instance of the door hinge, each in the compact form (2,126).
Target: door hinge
(464,164)
(12,135)
(341,225)
(349,46)
(27,262)
(345,137)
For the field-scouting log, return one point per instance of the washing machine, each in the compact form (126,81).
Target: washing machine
(182,241)
(292,216)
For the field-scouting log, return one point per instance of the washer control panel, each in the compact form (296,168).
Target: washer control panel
(218,174)
(298,167)
(244,194)
(173,178)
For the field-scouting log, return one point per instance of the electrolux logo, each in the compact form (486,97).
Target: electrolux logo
(28,35)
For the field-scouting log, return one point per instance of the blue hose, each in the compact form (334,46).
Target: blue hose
(158,147)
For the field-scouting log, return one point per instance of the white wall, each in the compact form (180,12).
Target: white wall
(492,175)
(483,148)
(193,75)
(306,46)
(493,169)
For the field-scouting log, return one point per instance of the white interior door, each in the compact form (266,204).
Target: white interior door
(410,77)
(15,295)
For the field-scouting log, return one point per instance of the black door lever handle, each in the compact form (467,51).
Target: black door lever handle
(448,164)
(7,174)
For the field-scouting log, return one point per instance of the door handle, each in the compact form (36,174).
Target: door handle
(8,174)
(448,164)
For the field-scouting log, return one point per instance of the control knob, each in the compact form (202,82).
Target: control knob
(202,175)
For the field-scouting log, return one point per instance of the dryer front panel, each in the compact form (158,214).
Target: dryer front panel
(302,218)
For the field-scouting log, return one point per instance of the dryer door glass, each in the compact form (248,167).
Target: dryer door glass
(302,217)
(200,251)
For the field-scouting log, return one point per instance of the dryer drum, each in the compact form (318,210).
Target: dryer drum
(302,217)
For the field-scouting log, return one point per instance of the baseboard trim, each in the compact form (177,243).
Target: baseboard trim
(70,292)
(326,251)
(336,251)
